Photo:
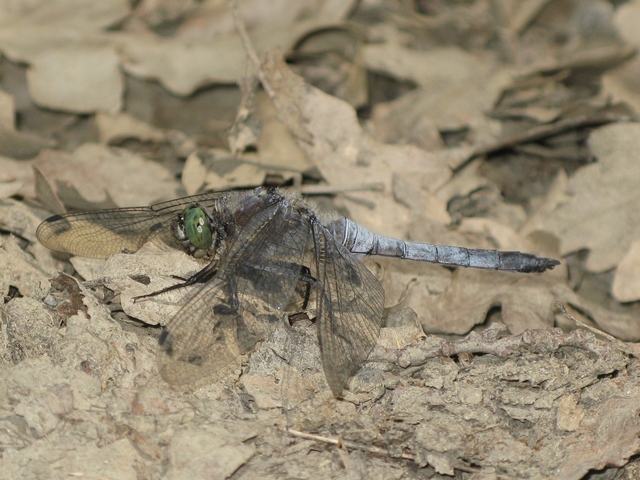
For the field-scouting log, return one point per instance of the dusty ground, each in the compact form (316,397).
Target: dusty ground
(485,124)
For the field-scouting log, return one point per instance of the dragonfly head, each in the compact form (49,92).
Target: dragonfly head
(194,230)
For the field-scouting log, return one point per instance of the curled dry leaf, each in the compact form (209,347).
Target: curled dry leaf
(328,131)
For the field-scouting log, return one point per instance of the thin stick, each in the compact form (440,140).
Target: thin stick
(248,47)
(356,446)
(621,345)
(542,132)
(328,189)
(345,443)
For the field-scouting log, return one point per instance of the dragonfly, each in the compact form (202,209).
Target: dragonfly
(262,244)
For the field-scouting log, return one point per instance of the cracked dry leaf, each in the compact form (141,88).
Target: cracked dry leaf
(285,369)
(209,452)
(17,218)
(19,270)
(602,213)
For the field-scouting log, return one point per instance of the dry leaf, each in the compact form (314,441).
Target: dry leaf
(72,66)
(621,325)
(74,79)
(14,143)
(75,64)
(220,170)
(526,302)
(276,146)
(215,17)
(122,126)
(456,89)
(46,194)
(158,268)
(328,131)
(433,69)
(626,283)
(19,270)
(620,84)
(536,405)
(602,213)
(7,111)
(184,64)
(94,174)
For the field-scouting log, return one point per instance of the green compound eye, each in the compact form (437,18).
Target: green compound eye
(197,228)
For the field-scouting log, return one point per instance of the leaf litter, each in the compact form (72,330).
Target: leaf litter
(476,127)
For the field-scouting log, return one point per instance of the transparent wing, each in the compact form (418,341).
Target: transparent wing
(102,233)
(217,325)
(200,342)
(350,307)
(267,255)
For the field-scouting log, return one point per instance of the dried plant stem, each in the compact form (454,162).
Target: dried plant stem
(344,443)
(248,47)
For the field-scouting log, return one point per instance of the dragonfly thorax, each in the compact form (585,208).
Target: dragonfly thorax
(194,230)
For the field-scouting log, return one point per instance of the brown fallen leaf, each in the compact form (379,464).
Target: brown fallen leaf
(15,143)
(92,177)
(72,66)
(626,282)
(602,212)
(621,325)
(526,302)
(328,131)
(456,90)
(114,128)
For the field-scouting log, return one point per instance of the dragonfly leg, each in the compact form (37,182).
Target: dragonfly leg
(200,277)
(308,280)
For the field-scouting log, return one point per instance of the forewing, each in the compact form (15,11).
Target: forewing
(208,335)
(350,307)
(266,255)
(105,232)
